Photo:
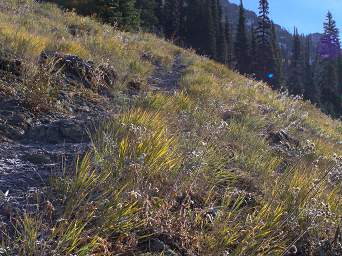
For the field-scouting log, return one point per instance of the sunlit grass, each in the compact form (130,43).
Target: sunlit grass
(138,146)
(22,42)
(196,164)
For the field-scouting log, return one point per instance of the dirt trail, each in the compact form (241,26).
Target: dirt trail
(167,80)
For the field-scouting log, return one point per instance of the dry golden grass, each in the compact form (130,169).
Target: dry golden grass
(169,163)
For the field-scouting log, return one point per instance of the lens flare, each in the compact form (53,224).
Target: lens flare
(270,75)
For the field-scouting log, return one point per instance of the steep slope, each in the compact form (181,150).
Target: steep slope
(117,143)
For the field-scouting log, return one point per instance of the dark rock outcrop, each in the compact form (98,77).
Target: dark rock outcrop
(60,131)
(283,138)
(78,71)
(13,67)
(134,87)
(14,118)
(230,115)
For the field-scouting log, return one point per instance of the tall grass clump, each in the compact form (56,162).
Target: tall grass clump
(138,146)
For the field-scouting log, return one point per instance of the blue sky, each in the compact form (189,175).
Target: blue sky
(306,15)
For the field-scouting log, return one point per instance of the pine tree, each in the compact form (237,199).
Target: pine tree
(329,47)
(216,24)
(84,7)
(194,25)
(278,64)
(130,19)
(172,19)
(339,89)
(229,42)
(222,44)
(211,29)
(241,44)
(265,58)
(253,53)
(121,13)
(295,81)
(109,11)
(159,12)
(148,14)
(327,82)
(328,54)
(311,91)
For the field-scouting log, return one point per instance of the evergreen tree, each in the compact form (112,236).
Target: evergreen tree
(329,47)
(159,13)
(295,81)
(229,42)
(328,54)
(222,44)
(130,19)
(278,62)
(241,44)
(327,82)
(339,89)
(253,53)
(85,7)
(172,19)
(148,14)
(211,29)
(109,11)
(121,13)
(195,23)
(264,53)
(215,5)
(311,91)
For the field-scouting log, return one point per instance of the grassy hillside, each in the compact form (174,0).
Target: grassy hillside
(222,165)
